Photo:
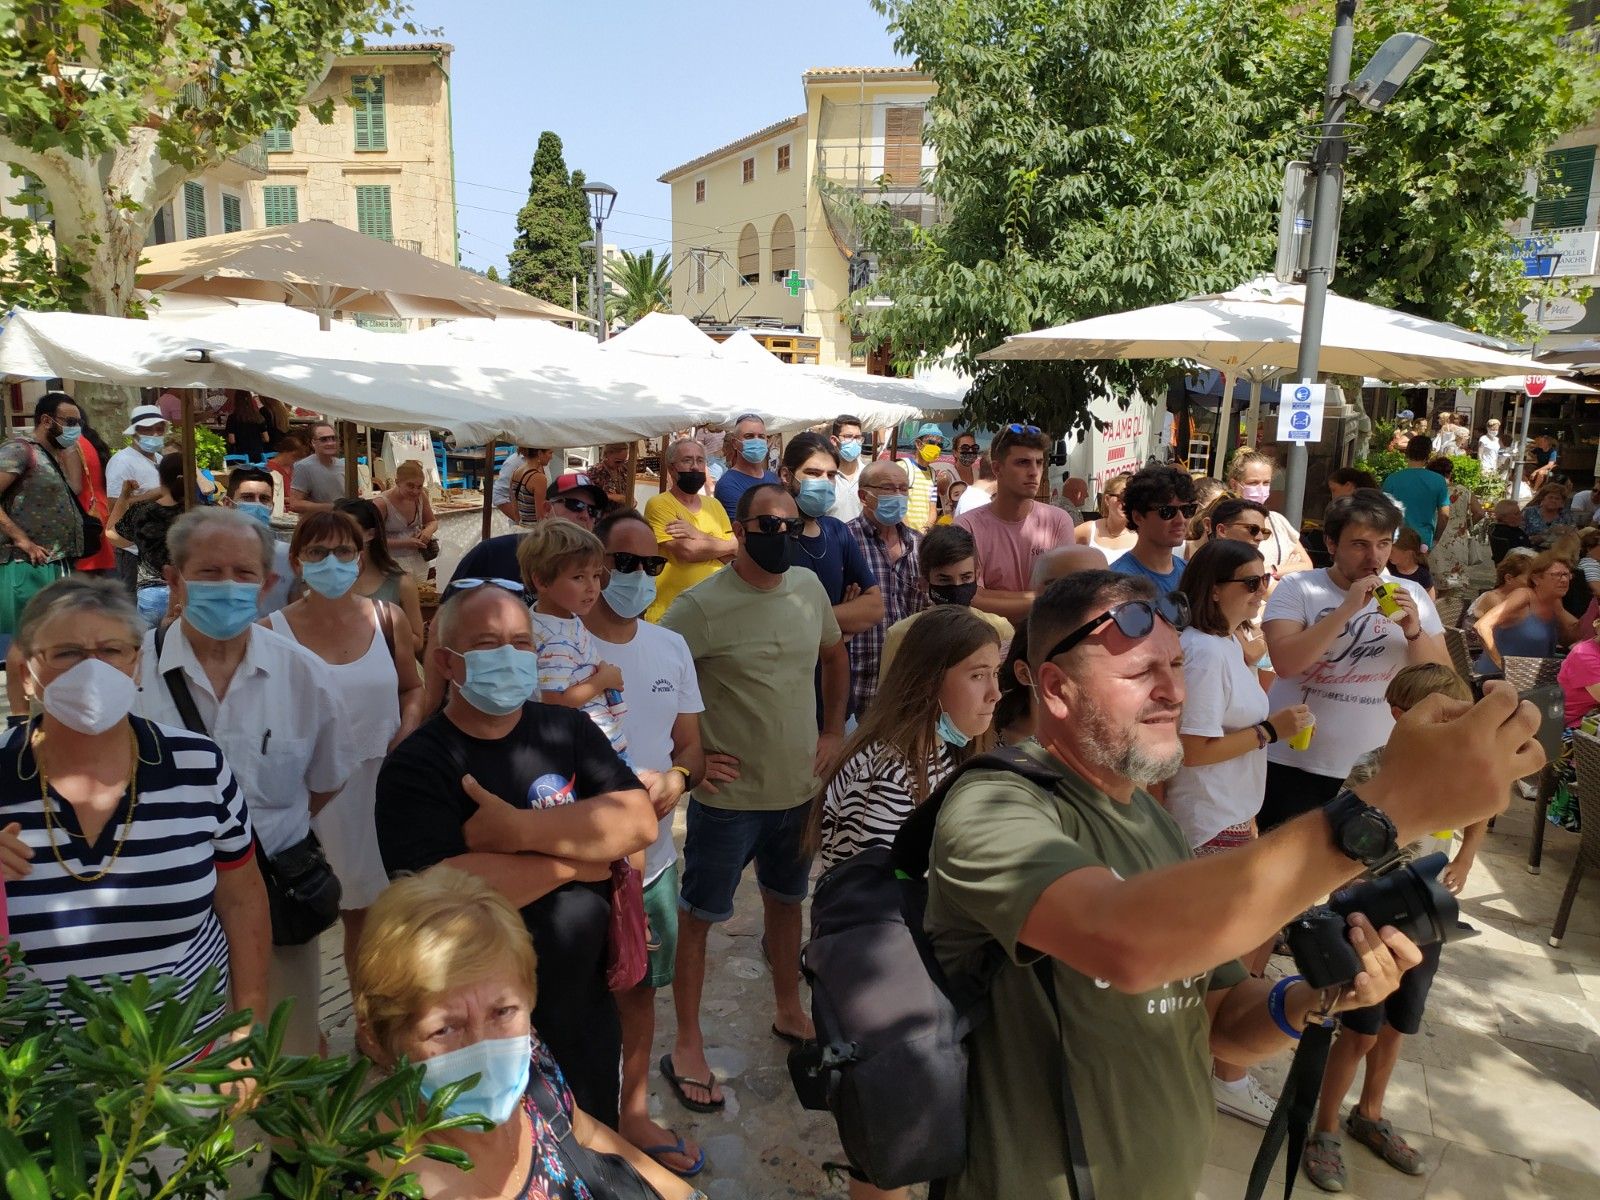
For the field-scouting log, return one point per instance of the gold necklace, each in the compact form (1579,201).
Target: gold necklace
(49,816)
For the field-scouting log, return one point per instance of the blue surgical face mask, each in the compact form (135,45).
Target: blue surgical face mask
(68,435)
(330,577)
(501,1065)
(948,733)
(629,593)
(849,451)
(891,510)
(815,497)
(151,443)
(500,680)
(220,608)
(754,450)
(255,509)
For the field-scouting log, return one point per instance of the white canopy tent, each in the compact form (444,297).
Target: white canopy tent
(1519,383)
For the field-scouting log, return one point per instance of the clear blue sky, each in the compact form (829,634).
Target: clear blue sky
(633,87)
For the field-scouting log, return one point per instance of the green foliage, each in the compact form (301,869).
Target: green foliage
(640,285)
(1382,462)
(209,448)
(551,228)
(493,274)
(1096,156)
(32,277)
(85,1110)
(1465,470)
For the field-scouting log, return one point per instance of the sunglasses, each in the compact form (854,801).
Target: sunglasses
(456,586)
(1165,512)
(579,506)
(1014,428)
(766,523)
(1133,619)
(626,563)
(1256,531)
(1251,584)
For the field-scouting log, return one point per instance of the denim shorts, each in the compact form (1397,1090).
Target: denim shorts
(720,842)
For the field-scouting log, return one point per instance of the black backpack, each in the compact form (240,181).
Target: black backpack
(890,1056)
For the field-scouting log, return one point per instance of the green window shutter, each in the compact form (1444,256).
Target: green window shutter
(374,216)
(280,204)
(232,214)
(194,210)
(279,140)
(372,125)
(1567,177)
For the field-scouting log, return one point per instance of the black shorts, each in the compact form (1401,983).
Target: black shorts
(1402,1011)
(1291,792)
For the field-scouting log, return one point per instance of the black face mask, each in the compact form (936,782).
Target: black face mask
(770,551)
(953,593)
(690,482)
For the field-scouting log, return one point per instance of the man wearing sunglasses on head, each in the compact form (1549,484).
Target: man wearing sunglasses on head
(1014,529)
(756,631)
(1160,504)
(1076,865)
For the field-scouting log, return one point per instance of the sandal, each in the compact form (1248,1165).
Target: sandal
(1324,1161)
(677,1081)
(682,1151)
(1382,1140)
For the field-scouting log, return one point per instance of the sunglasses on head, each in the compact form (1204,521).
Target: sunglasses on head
(1133,619)
(626,563)
(572,504)
(1015,428)
(767,523)
(1165,512)
(1251,583)
(456,586)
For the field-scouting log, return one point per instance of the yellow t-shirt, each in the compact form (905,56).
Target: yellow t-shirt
(663,509)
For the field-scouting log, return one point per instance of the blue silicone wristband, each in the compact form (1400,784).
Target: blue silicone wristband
(1275,1005)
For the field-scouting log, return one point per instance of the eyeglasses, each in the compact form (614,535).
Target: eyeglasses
(578,506)
(1252,583)
(67,656)
(1165,512)
(766,523)
(1014,428)
(69,422)
(315,554)
(651,564)
(891,489)
(326,437)
(932,441)
(456,586)
(1258,532)
(1133,618)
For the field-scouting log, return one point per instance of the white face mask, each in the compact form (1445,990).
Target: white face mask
(90,697)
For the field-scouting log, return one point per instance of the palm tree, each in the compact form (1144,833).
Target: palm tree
(639,285)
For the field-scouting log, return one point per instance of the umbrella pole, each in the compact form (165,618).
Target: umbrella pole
(186,445)
(488,486)
(633,470)
(1254,422)
(1219,447)
(349,448)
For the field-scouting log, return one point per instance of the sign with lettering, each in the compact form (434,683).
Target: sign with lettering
(1300,408)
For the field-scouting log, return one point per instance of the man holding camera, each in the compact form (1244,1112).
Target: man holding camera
(1092,873)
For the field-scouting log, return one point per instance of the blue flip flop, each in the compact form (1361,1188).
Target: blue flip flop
(677,1147)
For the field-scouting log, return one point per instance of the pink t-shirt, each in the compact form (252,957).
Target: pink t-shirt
(1579,672)
(1007,550)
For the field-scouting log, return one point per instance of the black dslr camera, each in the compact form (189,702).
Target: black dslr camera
(1409,897)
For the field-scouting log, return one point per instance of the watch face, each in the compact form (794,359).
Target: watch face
(1367,836)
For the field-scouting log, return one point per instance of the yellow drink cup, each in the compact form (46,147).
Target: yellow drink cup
(1302,740)
(1385,594)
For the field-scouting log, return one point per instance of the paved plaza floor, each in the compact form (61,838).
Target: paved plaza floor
(1500,1091)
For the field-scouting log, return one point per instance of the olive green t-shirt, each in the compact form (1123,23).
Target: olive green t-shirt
(755,652)
(1140,1064)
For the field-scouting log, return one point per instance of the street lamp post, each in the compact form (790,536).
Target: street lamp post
(1379,80)
(1547,265)
(601,197)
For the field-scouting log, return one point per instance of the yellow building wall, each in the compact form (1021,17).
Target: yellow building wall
(417,165)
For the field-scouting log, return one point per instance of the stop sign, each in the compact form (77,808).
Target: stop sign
(1535,385)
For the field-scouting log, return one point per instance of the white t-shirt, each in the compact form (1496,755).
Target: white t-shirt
(1488,453)
(659,681)
(847,495)
(1583,504)
(973,497)
(1221,695)
(1344,688)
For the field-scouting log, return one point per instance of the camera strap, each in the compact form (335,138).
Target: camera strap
(1292,1117)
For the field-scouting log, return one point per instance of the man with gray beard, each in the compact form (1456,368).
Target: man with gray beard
(1077,866)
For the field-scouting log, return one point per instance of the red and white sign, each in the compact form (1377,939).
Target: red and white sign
(1534,385)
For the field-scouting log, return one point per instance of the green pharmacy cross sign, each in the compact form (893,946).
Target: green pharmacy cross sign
(795,282)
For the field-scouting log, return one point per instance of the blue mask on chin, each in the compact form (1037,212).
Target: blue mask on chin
(502,1067)
(948,733)
(500,680)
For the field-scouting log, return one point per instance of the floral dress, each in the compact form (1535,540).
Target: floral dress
(1454,551)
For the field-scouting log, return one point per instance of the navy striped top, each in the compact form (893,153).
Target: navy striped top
(152,913)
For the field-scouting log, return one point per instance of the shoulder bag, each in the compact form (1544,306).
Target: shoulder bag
(94,530)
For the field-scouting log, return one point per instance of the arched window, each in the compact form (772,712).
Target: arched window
(782,247)
(749,256)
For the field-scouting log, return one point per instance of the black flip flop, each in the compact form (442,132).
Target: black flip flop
(677,1081)
(794,1039)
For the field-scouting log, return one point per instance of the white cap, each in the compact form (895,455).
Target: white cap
(145,414)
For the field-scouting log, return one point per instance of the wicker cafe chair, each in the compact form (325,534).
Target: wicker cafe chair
(1455,641)
(1525,674)
(1587,751)
(1451,608)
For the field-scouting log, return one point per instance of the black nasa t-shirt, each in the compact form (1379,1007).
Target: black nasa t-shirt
(554,756)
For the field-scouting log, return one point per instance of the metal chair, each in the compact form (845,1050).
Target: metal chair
(1587,752)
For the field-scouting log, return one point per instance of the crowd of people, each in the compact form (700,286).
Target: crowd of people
(260,740)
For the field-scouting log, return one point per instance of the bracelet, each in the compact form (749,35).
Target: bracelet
(1262,741)
(688,778)
(1275,1005)
(1413,637)
(1272,732)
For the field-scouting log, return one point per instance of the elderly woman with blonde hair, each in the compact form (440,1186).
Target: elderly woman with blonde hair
(445,977)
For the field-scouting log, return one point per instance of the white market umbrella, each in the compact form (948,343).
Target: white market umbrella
(662,335)
(1519,383)
(743,347)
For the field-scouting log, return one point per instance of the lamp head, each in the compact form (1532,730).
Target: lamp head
(1387,71)
(602,196)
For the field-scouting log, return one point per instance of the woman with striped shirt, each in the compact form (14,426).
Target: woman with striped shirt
(125,846)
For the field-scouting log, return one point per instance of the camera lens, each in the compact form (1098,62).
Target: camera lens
(1411,899)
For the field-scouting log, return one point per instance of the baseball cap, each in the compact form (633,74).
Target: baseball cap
(145,414)
(930,430)
(576,481)
(1405,414)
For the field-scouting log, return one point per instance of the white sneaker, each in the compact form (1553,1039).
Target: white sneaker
(1249,1103)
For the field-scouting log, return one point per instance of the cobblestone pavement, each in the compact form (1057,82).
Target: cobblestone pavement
(1500,1091)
